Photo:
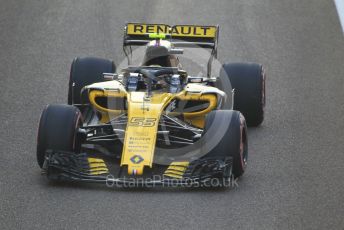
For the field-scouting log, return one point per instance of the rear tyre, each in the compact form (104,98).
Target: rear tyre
(86,71)
(58,127)
(234,141)
(248,80)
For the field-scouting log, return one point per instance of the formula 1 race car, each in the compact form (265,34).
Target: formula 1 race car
(153,123)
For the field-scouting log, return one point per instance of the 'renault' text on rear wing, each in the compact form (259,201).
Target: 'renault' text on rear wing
(180,35)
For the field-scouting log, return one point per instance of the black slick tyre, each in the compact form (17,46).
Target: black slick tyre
(248,82)
(58,130)
(234,141)
(86,71)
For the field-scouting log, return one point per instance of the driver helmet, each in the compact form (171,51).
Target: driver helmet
(158,53)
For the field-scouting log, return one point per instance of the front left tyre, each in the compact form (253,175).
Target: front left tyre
(58,130)
(233,142)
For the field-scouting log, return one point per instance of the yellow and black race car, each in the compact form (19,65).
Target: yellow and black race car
(153,123)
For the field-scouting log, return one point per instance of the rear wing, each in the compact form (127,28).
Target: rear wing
(135,34)
(180,35)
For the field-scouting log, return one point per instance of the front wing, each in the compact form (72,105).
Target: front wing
(83,167)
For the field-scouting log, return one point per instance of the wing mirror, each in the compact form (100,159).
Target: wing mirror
(176,51)
(110,76)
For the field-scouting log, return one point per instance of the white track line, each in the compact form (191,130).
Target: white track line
(340,10)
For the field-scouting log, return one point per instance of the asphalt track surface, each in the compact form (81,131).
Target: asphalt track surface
(295,174)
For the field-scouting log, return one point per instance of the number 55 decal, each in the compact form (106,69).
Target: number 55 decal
(141,121)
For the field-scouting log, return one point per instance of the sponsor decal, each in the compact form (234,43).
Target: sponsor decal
(175,31)
(136,159)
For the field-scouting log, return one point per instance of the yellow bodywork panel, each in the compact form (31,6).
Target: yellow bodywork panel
(144,112)
(107,89)
(177,168)
(140,136)
(99,93)
(180,163)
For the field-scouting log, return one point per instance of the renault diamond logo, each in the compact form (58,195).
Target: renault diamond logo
(136,159)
